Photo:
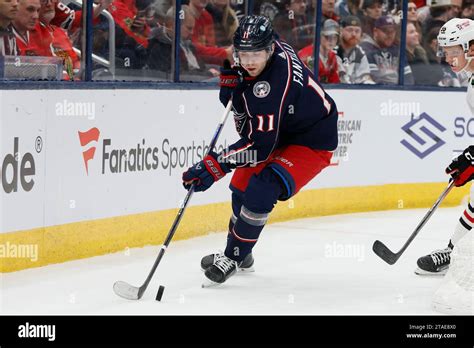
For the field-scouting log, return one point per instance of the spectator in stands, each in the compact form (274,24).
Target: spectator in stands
(293,25)
(131,32)
(71,20)
(161,44)
(439,69)
(352,60)
(329,10)
(413,17)
(371,11)
(383,53)
(204,33)
(349,7)
(239,7)
(267,8)
(28,38)
(161,7)
(467,9)
(441,11)
(55,40)
(8,11)
(417,59)
(328,67)
(430,44)
(204,37)
(225,21)
(456,7)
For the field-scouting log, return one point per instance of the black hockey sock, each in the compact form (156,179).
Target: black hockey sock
(244,235)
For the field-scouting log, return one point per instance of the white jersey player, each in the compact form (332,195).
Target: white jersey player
(454,40)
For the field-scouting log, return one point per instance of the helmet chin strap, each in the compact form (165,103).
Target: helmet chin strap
(468,62)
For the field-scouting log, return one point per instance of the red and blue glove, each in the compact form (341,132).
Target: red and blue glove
(461,168)
(205,173)
(232,81)
(228,80)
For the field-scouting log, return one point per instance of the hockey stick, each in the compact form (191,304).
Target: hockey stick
(386,254)
(130,292)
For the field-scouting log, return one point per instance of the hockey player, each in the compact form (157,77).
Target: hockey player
(288,127)
(454,40)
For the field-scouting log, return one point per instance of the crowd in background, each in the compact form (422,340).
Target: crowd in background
(359,44)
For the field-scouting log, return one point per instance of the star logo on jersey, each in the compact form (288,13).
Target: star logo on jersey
(423,132)
(261,89)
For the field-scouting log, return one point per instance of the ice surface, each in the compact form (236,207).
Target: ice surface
(313,266)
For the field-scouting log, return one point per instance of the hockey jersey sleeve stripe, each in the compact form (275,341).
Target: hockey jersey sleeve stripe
(288,81)
(320,92)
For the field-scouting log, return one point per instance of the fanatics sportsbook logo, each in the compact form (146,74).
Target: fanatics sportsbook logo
(424,133)
(86,138)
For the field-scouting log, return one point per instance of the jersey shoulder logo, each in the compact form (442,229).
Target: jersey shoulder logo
(261,89)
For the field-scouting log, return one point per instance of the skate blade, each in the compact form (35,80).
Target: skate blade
(244,270)
(424,273)
(207,283)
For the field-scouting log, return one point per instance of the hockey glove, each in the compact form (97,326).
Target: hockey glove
(229,79)
(205,173)
(233,82)
(461,168)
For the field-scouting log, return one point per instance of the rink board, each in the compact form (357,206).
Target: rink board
(89,172)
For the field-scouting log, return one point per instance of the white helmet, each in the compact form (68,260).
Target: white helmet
(457,31)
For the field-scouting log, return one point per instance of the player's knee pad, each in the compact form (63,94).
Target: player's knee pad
(262,192)
(286,181)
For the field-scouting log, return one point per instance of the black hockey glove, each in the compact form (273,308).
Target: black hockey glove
(233,82)
(461,168)
(229,79)
(205,173)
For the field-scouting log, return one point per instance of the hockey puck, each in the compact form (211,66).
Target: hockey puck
(159,294)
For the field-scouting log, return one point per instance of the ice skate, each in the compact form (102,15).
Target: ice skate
(245,266)
(436,263)
(222,269)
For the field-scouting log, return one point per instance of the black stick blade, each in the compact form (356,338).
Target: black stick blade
(384,253)
(127,291)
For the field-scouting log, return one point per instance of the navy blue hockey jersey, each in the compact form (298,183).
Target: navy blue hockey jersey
(283,105)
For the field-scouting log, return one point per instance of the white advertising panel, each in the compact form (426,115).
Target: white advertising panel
(22,161)
(94,154)
(396,137)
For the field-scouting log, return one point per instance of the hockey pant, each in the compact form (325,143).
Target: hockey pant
(255,191)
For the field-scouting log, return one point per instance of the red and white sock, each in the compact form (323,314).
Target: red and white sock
(465,224)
